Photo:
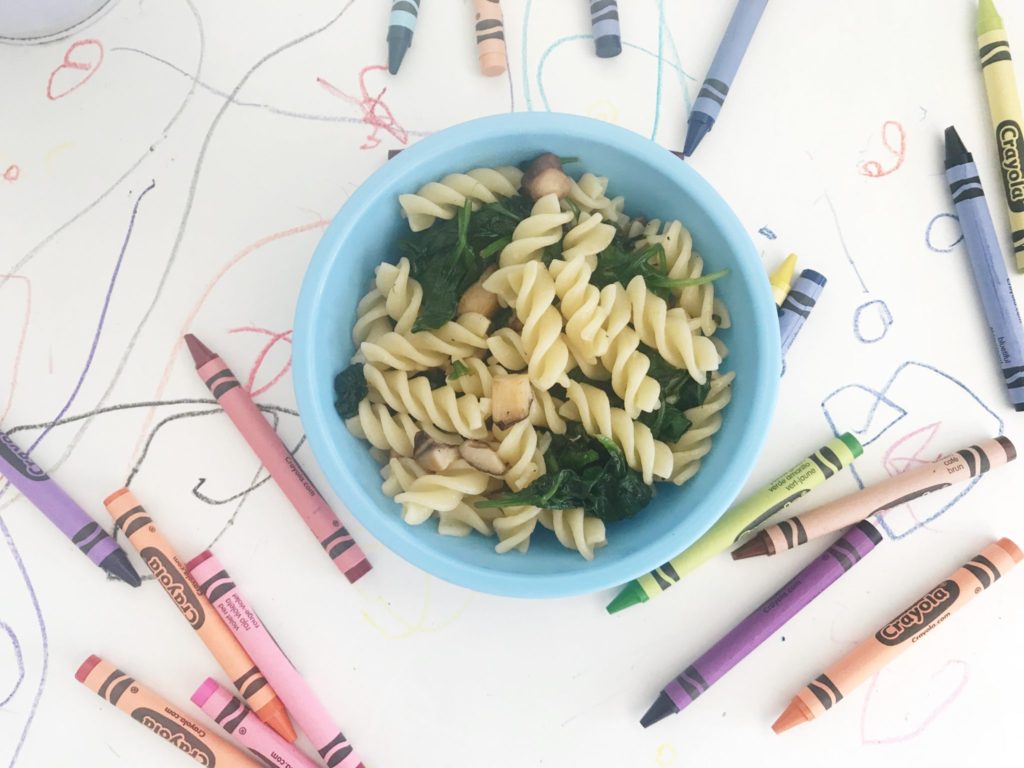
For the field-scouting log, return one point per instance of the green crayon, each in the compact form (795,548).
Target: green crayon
(837,454)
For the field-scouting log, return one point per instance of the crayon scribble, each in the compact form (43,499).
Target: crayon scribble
(961,668)
(81,61)
(398,625)
(50,158)
(872,321)
(665,756)
(951,236)
(766,232)
(19,663)
(896,460)
(376,113)
(894,139)
(274,338)
(20,347)
(604,109)
(12,173)
(842,240)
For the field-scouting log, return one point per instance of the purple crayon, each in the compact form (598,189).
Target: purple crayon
(84,532)
(771,615)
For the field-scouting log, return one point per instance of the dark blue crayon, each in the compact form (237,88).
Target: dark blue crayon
(987,263)
(604,17)
(723,71)
(798,305)
(402,24)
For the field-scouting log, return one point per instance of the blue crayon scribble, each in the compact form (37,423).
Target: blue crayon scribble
(842,241)
(878,316)
(19,661)
(883,407)
(766,232)
(931,225)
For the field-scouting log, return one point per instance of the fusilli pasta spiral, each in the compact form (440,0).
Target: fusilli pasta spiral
(443,199)
(507,349)
(543,227)
(515,527)
(438,407)
(402,293)
(519,448)
(419,351)
(440,492)
(389,431)
(629,366)
(371,318)
(706,420)
(575,530)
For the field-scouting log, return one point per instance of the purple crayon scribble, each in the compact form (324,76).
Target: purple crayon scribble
(19,661)
(928,233)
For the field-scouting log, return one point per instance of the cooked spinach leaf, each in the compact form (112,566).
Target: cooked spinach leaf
(349,390)
(459,370)
(618,263)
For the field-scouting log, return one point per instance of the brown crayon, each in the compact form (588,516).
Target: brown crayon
(162,718)
(904,631)
(171,573)
(899,489)
(490,37)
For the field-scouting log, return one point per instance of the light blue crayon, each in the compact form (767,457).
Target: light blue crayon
(723,71)
(400,28)
(798,305)
(987,263)
(604,17)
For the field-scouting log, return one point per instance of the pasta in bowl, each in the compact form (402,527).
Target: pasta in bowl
(533,358)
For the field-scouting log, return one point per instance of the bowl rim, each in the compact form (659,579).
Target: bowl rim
(349,486)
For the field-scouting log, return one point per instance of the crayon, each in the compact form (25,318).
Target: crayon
(1004,107)
(336,541)
(987,264)
(401,26)
(239,721)
(782,278)
(158,715)
(722,72)
(907,629)
(767,619)
(604,19)
(490,37)
(798,304)
(311,716)
(48,497)
(170,572)
(832,458)
(900,489)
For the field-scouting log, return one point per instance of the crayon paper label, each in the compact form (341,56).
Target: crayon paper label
(920,615)
(176,734)
(25,466)
(1011,151)
(172,578)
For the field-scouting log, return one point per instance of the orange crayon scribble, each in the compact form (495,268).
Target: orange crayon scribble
(12,173)
(894,139)
(21,340)
(376,113)
(88,60)
(929,717)
(274,338)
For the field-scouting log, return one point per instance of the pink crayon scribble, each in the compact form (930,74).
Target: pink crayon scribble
(274,339)
(894,139)
(929,717)
(80,63)
(375,112)
(911,451)
(12,173)
(21,340)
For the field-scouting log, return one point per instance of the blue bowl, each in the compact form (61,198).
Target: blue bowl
(655,184)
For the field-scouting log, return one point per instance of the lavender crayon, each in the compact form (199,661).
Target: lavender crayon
(772,614)
(797,306)
(604,18)
(84,532)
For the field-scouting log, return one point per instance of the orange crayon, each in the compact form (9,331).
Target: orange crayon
(170,572)
(162,718)
(907,629)
(958,467)
(490,37)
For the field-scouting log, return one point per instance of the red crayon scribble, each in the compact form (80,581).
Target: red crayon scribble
(21,339)
(78,70)
(929,718)
(274,338)
(12,173)
(375,112)
(894,138)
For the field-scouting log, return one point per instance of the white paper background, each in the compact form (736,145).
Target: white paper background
(420,673)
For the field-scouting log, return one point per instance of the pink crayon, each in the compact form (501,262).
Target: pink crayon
(336,541)
(241,722)
(305,709)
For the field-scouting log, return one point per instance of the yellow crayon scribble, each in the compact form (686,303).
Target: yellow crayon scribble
(54,153)
(421,623)
(603,109)
(665,756)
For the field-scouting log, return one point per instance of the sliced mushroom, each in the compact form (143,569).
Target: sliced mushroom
(432,455)
(544,176)
(511,396)
(480,455)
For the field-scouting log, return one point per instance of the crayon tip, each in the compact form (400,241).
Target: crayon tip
(782,278)
(87,666)
(396,52)
(274,714)
(202,557)
(118,566)
(662,707)
(989,19)
(1008,447)
(756,547)
(201,353)
(115,495)
(1019,407)
(357,571)
(608,47)
(204,692)
(697,128)
(631,594)
(814,276)
(956,152)
(1011,549)
(853,444)
(795,714)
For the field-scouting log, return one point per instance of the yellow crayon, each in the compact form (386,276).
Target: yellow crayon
(1004,107)
(782,279)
